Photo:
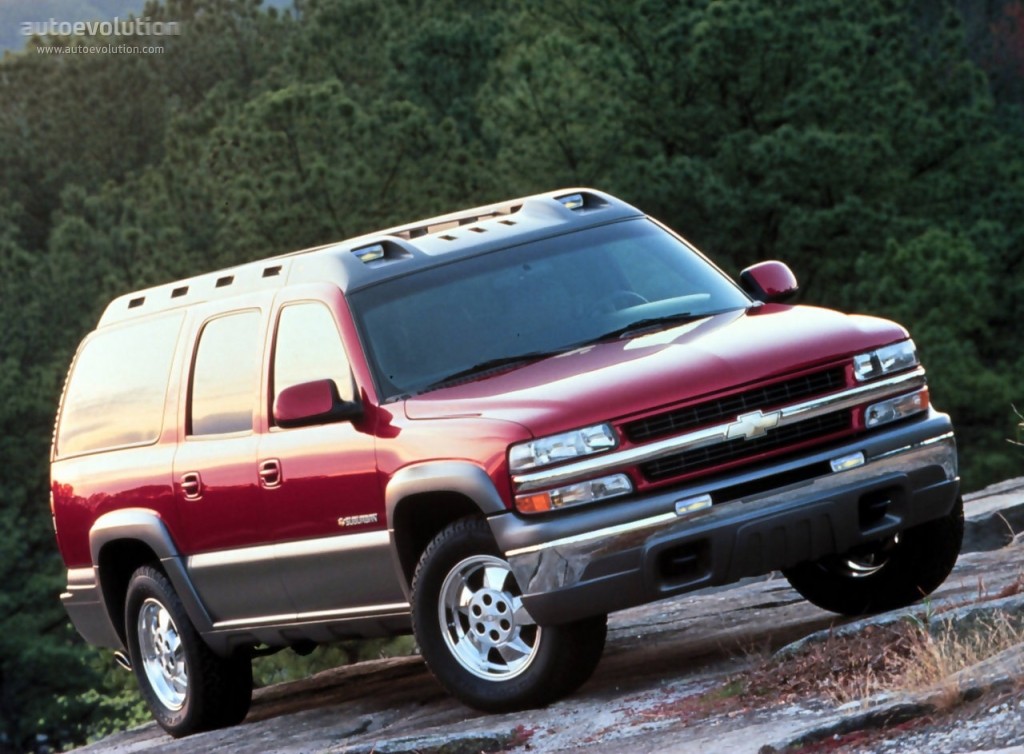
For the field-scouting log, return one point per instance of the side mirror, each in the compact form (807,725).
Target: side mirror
(311,403)
(769,282)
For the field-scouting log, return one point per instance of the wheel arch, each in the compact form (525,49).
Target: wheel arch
(422,500)
(121,542)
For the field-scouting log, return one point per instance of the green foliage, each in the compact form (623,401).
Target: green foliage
(109,704)
(878,147)
(288,666)
(295,162)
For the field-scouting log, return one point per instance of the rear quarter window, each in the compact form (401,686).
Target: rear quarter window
(117,387)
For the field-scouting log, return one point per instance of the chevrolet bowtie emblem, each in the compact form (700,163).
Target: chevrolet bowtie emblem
(755,424)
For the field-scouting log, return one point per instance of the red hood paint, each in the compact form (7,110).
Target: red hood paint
(616,379)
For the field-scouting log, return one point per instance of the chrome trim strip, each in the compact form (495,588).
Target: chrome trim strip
(305,547)
(719,433)
(351,612)
(610,531)
(652,521)
(914,446)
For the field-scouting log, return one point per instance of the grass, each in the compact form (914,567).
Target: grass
(906,656)
(839,669)
(938,655)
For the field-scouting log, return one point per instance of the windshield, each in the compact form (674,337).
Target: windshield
(476,315)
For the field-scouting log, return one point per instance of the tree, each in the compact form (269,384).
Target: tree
(821,132)
(876,146)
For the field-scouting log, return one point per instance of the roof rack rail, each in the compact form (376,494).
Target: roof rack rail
(571,199)
(447,222)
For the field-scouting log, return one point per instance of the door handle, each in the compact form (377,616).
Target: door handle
(191,485)
(270,473)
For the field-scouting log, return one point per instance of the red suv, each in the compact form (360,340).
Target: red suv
(491,429)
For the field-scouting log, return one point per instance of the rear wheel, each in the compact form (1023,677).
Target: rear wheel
(478,638)
(188,688)
(887,575)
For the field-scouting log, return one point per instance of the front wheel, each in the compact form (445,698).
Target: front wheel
(888,575)
(477,637)
(187,687)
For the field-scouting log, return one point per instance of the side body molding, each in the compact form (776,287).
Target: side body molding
(145,527)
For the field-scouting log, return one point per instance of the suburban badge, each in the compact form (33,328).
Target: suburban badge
(365,518)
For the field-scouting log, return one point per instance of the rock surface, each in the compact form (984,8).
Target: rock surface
(659,660)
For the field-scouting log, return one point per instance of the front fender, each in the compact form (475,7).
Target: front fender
(460,477)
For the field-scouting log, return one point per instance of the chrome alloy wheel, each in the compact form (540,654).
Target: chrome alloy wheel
(483,621)
(162,654)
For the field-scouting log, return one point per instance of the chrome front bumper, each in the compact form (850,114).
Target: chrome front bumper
(907,479)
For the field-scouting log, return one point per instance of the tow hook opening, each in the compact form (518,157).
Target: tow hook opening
(873,506)
(685,563)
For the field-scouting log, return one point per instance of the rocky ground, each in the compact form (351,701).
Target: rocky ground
(698,674)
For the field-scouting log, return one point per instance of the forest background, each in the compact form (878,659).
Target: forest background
(877,147)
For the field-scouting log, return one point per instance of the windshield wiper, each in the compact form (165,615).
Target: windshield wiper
(493,364)
(650,323)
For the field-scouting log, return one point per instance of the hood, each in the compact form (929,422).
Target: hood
(617,379)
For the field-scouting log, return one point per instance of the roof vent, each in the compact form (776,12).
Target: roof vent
(179,292)
(573,201)
(369,254)
(135,303)
(272,272)
(225,281)
(383,251)
(581,200)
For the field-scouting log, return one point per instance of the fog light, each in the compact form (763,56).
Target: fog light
(693,505)
(847,462)
(575,494)
(892,409)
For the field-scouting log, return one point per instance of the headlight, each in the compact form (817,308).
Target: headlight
(590,491)
(561,447)
(883,361)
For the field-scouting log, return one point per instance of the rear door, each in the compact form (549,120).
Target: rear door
(224,530)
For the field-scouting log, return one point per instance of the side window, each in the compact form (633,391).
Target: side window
(225,375)
(308,347)
(115,394)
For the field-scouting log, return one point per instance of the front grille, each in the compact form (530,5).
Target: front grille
(731,450)
(728,408)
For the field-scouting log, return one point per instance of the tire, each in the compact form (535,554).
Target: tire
(477,638)
(187,687)
(887,576)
